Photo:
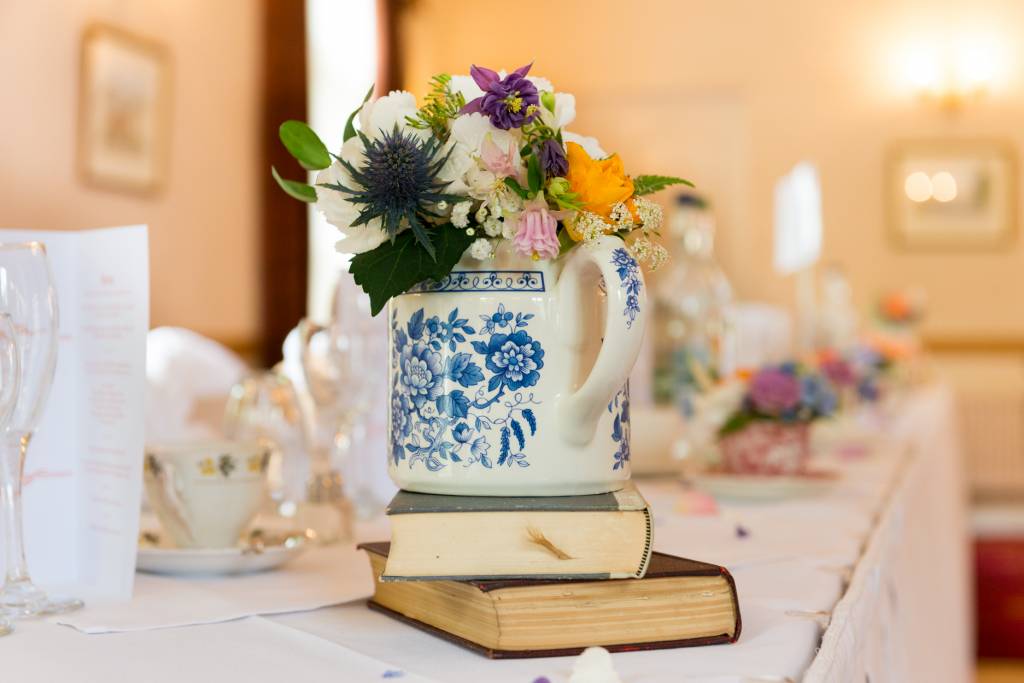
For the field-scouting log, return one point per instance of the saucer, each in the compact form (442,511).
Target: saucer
(765,488)
(260,552)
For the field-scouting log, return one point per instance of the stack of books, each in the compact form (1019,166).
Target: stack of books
(545,576)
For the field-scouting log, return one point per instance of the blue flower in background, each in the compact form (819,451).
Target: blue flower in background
(422,373)
(462,432)
(817,395)
(515,359)
(867,389)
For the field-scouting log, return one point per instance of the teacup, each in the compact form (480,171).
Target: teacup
(767,448)
(206,492)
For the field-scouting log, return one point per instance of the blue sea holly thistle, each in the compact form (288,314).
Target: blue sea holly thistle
(398,184)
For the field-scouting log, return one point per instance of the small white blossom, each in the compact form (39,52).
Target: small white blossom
(650,214)
(590,226)
(622,217)
(460,214)
(481,249)
(481,214)
(492,226)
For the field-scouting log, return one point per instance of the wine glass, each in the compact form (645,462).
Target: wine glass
(265,407)
(10,371)
(28,297)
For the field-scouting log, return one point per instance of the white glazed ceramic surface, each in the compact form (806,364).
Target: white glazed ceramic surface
(206,492)
(215,561)
(509,376)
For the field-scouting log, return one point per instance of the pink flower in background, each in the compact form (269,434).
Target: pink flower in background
(536,234)
(774,391)
(504,164)
(838,371)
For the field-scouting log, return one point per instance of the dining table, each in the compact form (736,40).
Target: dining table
(865,580)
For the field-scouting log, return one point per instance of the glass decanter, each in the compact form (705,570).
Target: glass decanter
(691,303)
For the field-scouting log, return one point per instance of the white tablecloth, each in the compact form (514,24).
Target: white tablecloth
(882,556)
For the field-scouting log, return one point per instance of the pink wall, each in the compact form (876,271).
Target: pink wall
(732,93)
(203,225)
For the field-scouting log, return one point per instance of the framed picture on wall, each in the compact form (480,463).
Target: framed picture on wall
(952,194)
(124,111)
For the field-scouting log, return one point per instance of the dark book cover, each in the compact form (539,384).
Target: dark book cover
(661,566)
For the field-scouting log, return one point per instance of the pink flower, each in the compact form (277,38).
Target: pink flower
(501,163)
(537,228)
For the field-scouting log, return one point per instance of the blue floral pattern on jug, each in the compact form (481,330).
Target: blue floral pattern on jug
(619,406)
(629,277)
(454,389)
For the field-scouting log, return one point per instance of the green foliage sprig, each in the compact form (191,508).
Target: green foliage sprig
(442,105)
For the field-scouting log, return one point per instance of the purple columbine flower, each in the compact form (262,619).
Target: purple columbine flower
(510,102)
(552,158)
(774,391)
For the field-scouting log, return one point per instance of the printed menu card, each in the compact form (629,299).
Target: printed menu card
(83,474)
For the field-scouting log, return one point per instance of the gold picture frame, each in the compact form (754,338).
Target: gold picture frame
(123,111)
(951,195)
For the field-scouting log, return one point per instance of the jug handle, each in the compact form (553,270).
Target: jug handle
(625,321)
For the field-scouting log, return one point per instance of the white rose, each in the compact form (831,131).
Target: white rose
(467,86)
(591,145)
(340,213)
(384,113)
(541,83)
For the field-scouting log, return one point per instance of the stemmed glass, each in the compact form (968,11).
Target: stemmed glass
(28,297)
(10,377)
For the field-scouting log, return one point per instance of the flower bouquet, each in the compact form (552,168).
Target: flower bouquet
(769,432)
(485,164)
(855,374)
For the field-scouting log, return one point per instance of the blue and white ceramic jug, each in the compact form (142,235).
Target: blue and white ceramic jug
(508,378)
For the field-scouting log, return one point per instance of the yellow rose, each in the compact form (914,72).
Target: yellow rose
(599,184)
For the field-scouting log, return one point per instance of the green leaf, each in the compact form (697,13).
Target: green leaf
(393,267)
(647,184)
(534,174)
(514,185)
(350,128)
(295,189)
(738,422)
(303,144)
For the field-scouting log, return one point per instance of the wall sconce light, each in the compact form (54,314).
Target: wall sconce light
(952,72)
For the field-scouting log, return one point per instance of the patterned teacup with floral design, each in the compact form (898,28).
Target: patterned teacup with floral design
(206,492)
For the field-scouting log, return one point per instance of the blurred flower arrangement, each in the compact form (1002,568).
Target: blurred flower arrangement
(485,163)
(856,374)
(789,394)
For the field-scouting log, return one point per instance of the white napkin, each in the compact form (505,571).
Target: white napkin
(188,380)
(317,578)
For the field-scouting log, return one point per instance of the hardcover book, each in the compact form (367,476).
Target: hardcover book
(679,603)
(558,537)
